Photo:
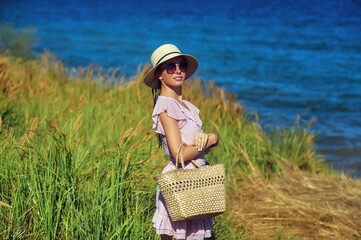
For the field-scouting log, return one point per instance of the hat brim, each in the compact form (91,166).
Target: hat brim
(152,81)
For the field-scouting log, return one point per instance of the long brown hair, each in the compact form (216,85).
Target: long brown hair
(155,93)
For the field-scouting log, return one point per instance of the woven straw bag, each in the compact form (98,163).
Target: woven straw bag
(193,193)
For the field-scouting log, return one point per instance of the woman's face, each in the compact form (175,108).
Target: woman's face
(177,78)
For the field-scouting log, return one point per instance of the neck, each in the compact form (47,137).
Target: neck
(170,92)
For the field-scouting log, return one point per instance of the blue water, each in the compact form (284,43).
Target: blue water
(280,58)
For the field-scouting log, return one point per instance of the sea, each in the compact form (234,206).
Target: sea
(281,59)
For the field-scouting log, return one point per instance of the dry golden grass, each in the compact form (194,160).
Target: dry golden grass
(303,205)
(33,127)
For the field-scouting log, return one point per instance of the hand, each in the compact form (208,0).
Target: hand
(200,141)
(213,139)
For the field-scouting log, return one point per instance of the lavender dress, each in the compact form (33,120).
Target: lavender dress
(189,123)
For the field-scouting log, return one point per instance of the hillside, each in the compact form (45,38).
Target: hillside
(78,158)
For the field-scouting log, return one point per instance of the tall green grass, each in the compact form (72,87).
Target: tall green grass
(78,154)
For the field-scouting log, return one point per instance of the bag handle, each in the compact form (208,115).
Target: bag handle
(180,156)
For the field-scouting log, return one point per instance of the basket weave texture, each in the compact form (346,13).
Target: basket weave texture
(193,193)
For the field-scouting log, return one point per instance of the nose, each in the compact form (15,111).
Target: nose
(177,69)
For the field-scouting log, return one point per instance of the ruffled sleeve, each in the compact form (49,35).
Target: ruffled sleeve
(173,110)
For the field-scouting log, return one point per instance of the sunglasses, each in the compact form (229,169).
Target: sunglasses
(172,67)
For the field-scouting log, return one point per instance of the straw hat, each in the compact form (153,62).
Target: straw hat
(162,54)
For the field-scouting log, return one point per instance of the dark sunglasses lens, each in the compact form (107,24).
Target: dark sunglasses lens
(183,66)
(170,67)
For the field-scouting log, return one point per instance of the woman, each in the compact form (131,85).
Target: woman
(176,121)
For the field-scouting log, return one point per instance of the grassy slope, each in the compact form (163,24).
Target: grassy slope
(77,157)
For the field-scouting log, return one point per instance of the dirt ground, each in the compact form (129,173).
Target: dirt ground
(303,205)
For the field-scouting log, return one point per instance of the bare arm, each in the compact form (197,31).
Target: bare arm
(174,139)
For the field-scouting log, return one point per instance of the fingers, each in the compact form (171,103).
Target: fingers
(213,139)
(200,141)
(195,142)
